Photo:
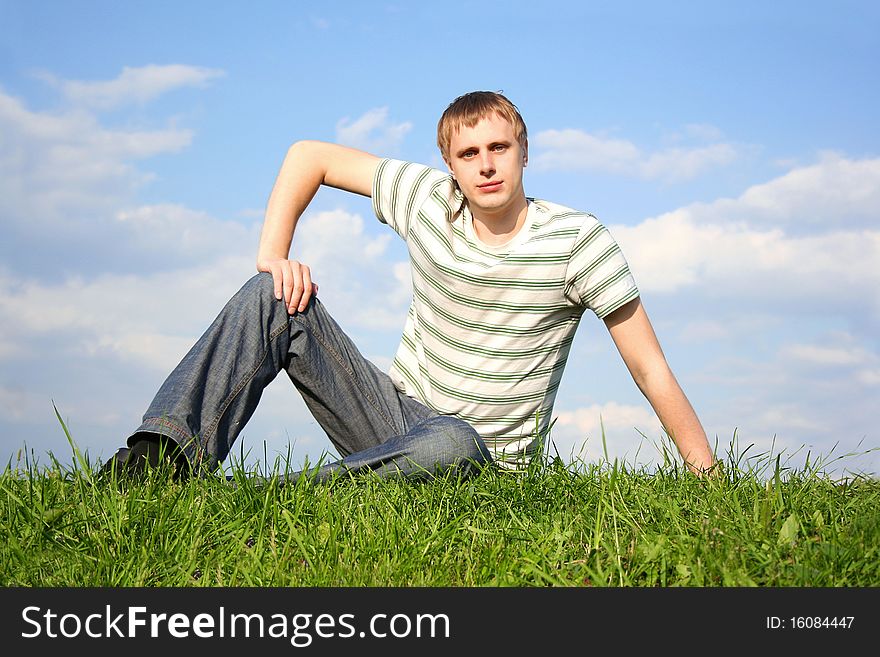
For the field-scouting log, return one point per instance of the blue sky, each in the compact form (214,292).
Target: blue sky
(732,149)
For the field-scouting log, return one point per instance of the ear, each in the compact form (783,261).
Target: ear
(525,153)
(449,167)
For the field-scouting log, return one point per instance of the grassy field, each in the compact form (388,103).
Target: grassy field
(604,524)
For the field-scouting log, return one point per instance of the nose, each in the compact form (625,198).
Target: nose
(487,164)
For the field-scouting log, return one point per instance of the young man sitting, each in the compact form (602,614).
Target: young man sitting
(500,282)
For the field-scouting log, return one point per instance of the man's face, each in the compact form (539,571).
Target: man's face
(487,162)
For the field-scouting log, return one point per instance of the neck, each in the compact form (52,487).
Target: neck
(495,228)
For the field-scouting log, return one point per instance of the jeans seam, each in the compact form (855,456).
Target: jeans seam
(351,375)
(212,427)
(183,437)
(183,434)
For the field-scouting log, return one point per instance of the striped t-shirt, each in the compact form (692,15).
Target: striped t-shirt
(490,327)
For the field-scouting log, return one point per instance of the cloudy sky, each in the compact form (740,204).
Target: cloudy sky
(732,150)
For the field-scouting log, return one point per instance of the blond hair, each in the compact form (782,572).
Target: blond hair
(467,110)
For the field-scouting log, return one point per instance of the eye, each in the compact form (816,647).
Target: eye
(468,155)
(498,148)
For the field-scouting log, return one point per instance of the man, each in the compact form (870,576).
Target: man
(500,282)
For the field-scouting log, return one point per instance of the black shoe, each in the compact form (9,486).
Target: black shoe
(147,453)
(115,463)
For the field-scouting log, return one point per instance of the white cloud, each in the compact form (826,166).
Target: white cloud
(134,86)
(827,355)
(869,377)
(16,404)
(777,324)
(146,319)
(816,396)
(612,415)
(104,340)
(701,249)
(789,418)
(839,359)
(834,192)
(703,330)
(577,150)
(677,164)
(53,162)
(354,270)
(372,132)
(754,269)
(703,132)
(64,179)
(191,234)
(578,432)
(128,331)
(61,171)
(152,318)
(99,347)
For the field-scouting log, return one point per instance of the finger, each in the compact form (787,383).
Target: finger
(297,292)
(307,288)
(289,282)
(277,280)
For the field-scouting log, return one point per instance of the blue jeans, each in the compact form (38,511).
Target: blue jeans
(208,398)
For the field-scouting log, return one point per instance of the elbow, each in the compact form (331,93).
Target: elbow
(655,376)
(639,379)
(308,158)
(306,148)
(298,148)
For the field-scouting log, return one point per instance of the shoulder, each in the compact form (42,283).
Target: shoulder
(416,185)
(550,216)
(397,173)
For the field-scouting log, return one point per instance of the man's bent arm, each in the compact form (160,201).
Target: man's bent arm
(637,343)
(307,166)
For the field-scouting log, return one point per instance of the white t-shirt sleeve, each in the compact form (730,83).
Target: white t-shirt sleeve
(399,191)
(598,276)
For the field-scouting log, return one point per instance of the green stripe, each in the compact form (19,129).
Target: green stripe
(492,329)
(441,200)
(454,368)
(612,280)
(474,302)
(420,180)
(588,240)
(377,189)
(515,377)
(527,352)
(562,233)
(413,384)
(532,260)
(561,216)
(597,262)
(610,307)
(528,260)
(444,240)
(544,412)
(494,400)
(527,284)
(455,393)
(395,193)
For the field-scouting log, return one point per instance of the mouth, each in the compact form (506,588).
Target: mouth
(490,186)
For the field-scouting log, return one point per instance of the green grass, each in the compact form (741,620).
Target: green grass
(605,524)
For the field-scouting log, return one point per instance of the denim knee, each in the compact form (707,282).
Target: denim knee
(256,298)
(261,286)
(460,441)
